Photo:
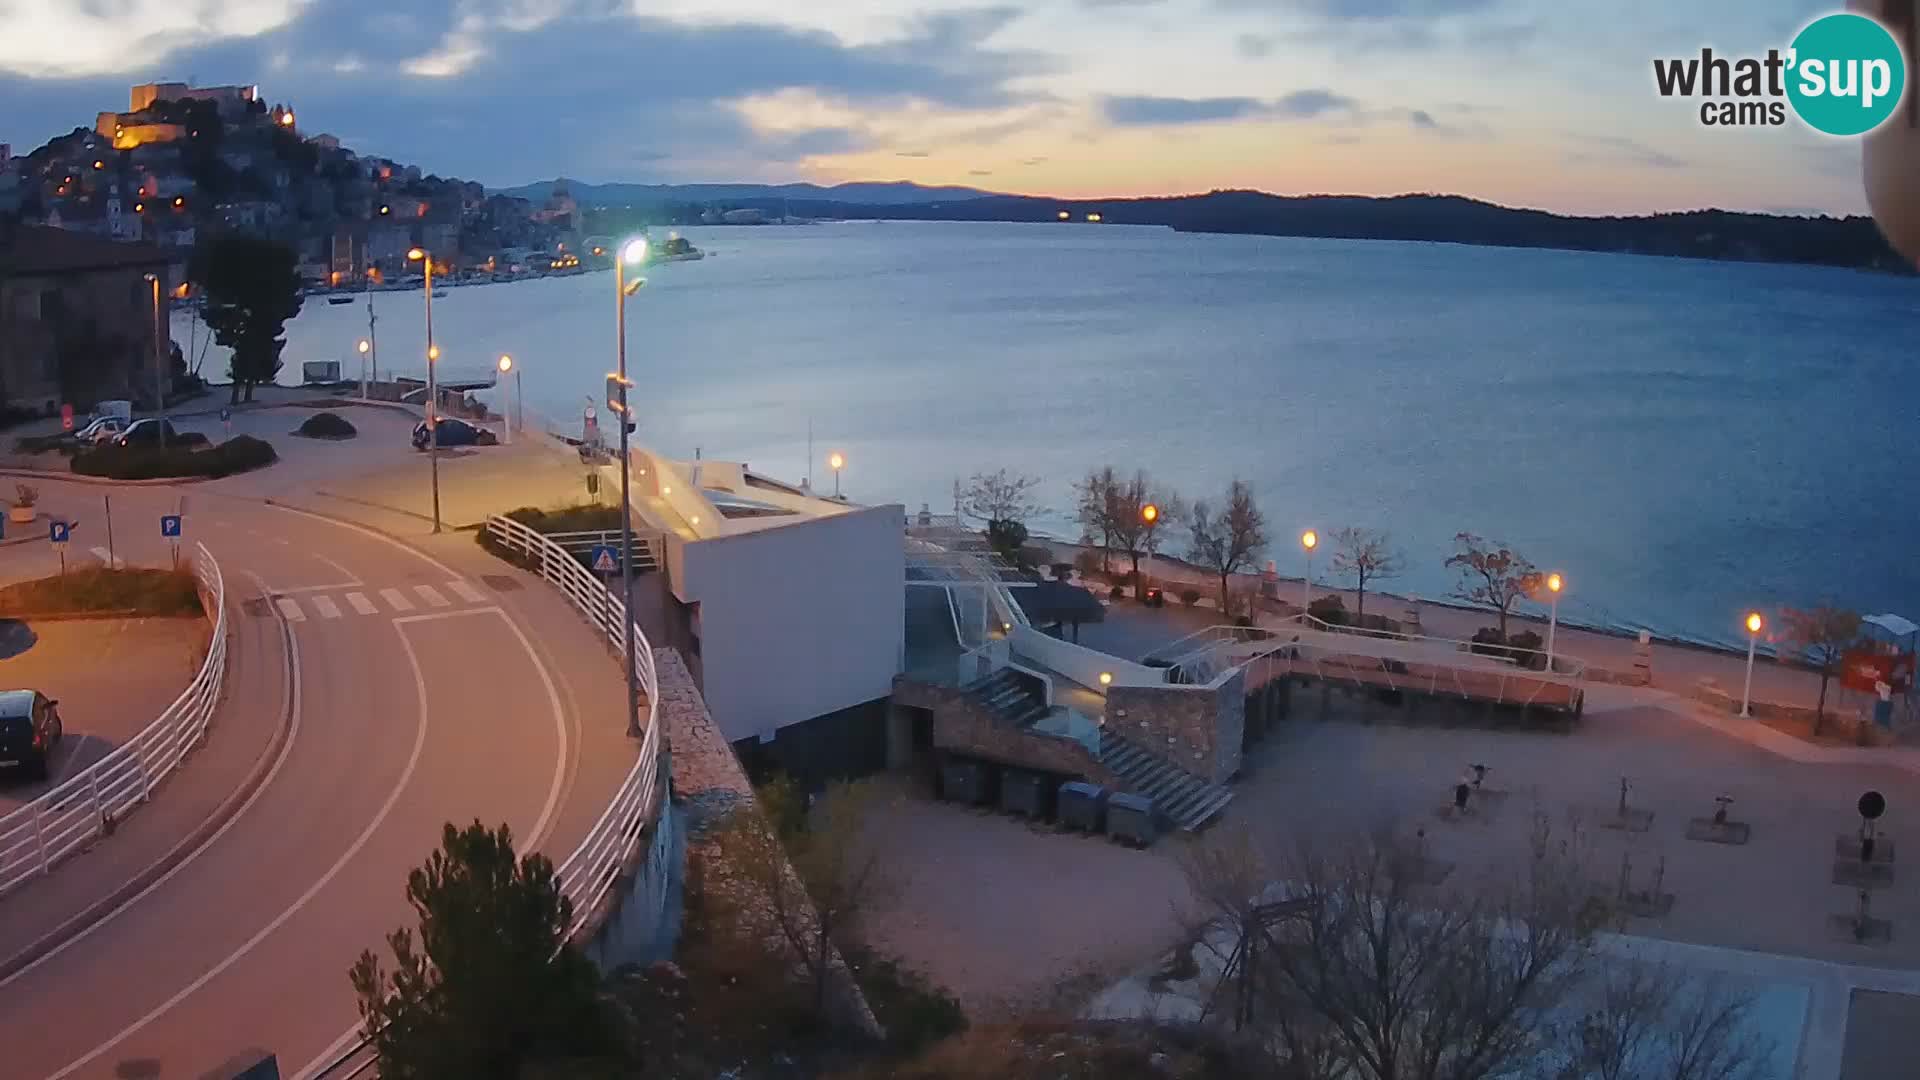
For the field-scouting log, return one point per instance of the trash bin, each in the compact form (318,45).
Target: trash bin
(1024,793)
(964,782)
(1130,819)
(1082,806)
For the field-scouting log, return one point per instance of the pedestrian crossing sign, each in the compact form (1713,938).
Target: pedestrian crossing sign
(604,559)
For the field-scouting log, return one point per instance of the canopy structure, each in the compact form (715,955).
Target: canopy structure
(1897,625)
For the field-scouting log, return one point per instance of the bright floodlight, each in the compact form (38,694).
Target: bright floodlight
(364,346)
(1309,539)
(836,462)
(1149,513)
(415,255)
(1553,583)
(1106,678)
(1754,622)
(433,352)
(506,362)
(634,251)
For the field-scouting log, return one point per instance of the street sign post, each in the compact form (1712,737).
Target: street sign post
(170,525)
(605,559)
(226,419)
(58,533)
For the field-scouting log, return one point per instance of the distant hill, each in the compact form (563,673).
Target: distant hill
(890,193)
(1706,234)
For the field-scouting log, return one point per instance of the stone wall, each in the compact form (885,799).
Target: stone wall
(962,725)
(1199,728)
(1840,723)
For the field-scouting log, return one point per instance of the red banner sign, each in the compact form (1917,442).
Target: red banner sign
(66,417)
(1863,669)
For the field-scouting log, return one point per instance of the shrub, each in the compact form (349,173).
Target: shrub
(1087,562)
(141,591)
(1329,609)
(237,455)
(1063,571)
(915,1012)
(1118,592)
(1525,648)
(585,518)
(1190,596)
(326,425)
(25,496)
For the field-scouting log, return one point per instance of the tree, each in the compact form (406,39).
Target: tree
(813,873)
(1822,635)
(1093,508)
(1648,1022)
(1000,495)
(252,287)
(1364,555)
(494,986)
(1228,542)
(1491,574)
(1126,516)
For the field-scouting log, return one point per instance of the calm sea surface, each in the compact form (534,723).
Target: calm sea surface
(1682,439)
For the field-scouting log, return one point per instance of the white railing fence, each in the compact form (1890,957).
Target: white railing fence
(87,805)
(589,874)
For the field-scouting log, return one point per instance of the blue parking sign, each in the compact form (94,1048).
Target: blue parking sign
(170,526)
(58,531)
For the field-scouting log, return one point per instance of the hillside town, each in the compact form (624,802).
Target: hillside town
(183,161)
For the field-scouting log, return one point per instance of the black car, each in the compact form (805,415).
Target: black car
(147,432)
(29,730)
(454,432)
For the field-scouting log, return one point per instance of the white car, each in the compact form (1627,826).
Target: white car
(102,430)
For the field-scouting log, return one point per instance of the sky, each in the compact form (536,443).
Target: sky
(1538,103)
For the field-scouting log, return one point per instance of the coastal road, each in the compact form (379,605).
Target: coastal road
(417,688)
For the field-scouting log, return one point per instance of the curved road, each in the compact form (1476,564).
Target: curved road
(415,696)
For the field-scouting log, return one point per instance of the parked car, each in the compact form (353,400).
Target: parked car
(147,432)
(454,432)
(101,429)
(29,730)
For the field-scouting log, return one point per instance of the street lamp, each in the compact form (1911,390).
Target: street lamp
(1754,625)
(1308,540)
(836,463)
(366,347)
(506,365)
(1554,585)
(433,388)
(159,360)
(633,252)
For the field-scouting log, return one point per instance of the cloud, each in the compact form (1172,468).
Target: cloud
(1142,111)
(979,172)
(1421,118)
(1253,46)
(911,153)
(1618,149)
(1379,9)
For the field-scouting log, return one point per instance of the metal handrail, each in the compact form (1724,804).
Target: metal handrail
(88,804)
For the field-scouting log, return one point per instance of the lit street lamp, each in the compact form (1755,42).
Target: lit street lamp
(366,347)
(1308,540)
(1554,585)
(433,388)
(516,420)
(836,463)
(159,360)
(1754,625)
(632,253)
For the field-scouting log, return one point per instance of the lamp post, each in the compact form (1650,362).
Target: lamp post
(1308,540)
(1554,585)
(366,348)
(506,365)
(433,388)
(159,361)
(836,462)
(1754,625)
(632,253)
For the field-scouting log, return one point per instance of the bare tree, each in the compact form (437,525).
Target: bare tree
(1229,541)
(1491,574)
(811,873)
(1364,555)
(1823,635)
(1133,531)
(1229,875)
(1093,508)
(1001,495)
(1647,1021)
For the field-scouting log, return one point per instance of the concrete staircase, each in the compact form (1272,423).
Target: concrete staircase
(1010,699)
(1182,797)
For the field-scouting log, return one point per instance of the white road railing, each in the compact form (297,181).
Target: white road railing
(589,874)
(88,805)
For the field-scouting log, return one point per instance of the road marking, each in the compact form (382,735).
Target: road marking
(361,604)
(344,572)
(353,851)
(431,595)
(467,592)
(107,559)
(292,708)
(536,839)
(335,587)
(326,607)
(290,608)
(396,599)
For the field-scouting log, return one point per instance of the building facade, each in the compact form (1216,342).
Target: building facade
(76,317)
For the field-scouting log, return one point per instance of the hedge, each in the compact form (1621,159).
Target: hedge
(98,589)
(238,454)
(326,425)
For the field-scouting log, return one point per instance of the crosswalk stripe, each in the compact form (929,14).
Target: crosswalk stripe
(467,592)
(361,604)
(106,558)
(326,607)
(432,596)
(396,599)
(290,608)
